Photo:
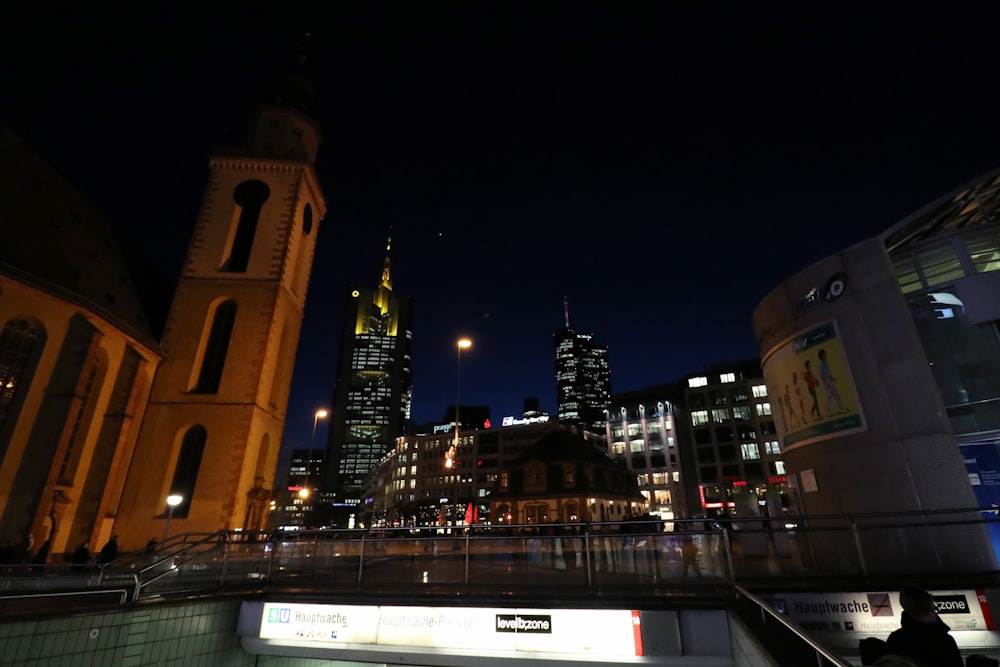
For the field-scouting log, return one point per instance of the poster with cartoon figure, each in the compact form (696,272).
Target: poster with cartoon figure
(816,396)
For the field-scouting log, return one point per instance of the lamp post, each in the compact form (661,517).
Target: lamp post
(462,344)
(304,491)
(173,500)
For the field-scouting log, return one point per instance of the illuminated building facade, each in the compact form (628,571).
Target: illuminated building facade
(902,332)
(372,395)
(641,432)
(412,486)
(583,379)
(104,415)
(78,354)
(731,443)
(295,509)
(213,425)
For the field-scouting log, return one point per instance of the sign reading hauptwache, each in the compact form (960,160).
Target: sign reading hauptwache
(879,611)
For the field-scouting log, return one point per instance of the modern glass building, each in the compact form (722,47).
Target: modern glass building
(372,395)
(900,334)
(583,379)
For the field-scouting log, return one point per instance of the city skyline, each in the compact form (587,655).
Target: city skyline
(521,157)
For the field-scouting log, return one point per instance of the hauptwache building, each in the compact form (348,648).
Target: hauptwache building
(883,364)
(102,418)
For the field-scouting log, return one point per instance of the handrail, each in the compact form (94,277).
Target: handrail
(791,626)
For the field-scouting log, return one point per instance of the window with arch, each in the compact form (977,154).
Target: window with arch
(21,343)
(186,470)
(249,197)
(215,347)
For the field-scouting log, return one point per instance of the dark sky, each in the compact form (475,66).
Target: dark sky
(664,165)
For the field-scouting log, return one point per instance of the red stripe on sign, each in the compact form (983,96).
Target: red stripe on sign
(984,606)
(637,632)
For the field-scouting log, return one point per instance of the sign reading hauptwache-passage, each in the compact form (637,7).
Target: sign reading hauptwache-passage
(880,611)
(597,632)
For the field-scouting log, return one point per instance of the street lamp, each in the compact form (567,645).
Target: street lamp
(173,500)
(462,344)
(319,414)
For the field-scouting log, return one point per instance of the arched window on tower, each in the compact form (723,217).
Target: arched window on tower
(186,470)
(249,197)
(212,357)
(21,343)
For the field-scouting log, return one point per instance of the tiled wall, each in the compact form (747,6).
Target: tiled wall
(186,635)
(192,635)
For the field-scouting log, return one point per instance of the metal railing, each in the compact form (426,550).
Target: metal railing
(600,560)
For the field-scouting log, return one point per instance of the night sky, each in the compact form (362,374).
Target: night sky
(664,165)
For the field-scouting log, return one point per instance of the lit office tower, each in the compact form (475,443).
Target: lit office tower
(583,378)
(371,401)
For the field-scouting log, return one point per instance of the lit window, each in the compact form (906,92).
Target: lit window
(750,451)
(697,382)
(763,409)
(720,415)
(759,390)
(699,417)
(771,447)
(727,377)
(741,412)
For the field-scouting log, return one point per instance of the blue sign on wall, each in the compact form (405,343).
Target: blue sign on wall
(982,461)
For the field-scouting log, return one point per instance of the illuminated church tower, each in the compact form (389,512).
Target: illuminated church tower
(214,422)
(583,378)
(371,402)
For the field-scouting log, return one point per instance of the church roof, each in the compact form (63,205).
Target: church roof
(52,238)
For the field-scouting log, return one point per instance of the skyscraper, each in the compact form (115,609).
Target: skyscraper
(371,401)
(583,378)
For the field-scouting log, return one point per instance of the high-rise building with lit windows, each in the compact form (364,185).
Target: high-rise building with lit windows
(372,394)
(730,442)
(583,379)
(641,432)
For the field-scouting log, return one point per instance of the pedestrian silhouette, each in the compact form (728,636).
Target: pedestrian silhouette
(109,551)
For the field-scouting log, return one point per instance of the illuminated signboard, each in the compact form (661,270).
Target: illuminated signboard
(595,632)
(880,611)
(512,421)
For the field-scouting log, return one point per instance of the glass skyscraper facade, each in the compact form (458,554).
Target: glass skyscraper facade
(371,403)
(583,380)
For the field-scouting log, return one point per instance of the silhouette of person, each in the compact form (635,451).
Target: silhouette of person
(830,384)
(811,386)
(109,551)
(923,636)
(689,555)
(81,557)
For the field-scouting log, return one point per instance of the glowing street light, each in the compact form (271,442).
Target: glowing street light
(173,500)
(319,414)
(462,344)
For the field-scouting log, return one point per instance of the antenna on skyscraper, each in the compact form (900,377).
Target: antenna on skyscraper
(566,309)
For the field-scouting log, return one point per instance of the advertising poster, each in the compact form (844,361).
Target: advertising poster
(814,390)
(879,611)
(982,461)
